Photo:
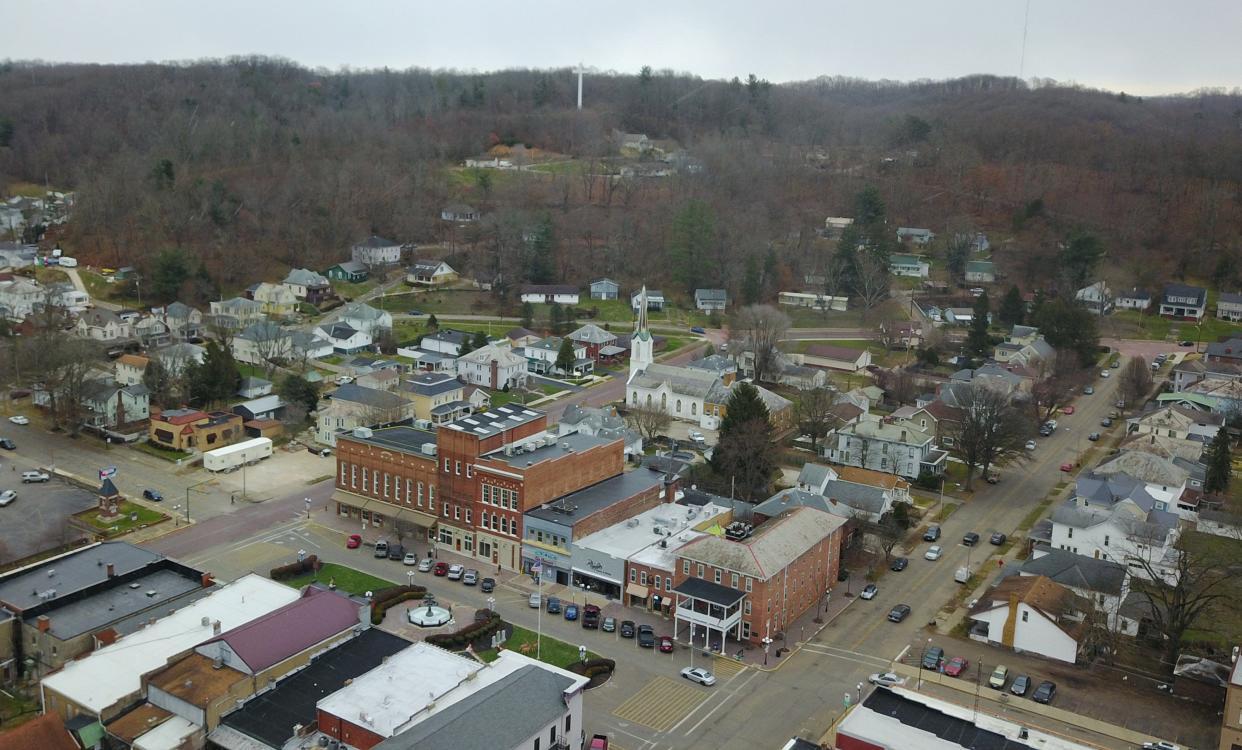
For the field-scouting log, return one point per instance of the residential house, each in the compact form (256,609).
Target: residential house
(520,337)
(460,213)
(438,397)
(71,299)
(980,271)
(908,265)
(561,294)
(1103,583)
(191,429)
(605,289)
(445,341)
(1097,298)
(305,345)
(266,407)
(493,366)
(1229,306)
(1165,477)
(363,317)
(375,252)
(345,338)
(103,325)
(1183,302)
(915,235)
(1031,614)
(478,398)
(308,286)
(151,331)
(541,358)
(427,272)
(236,313)
(252,387)
(184,322)
(110,405)
(352,406)
(600,422)
(599,344)
(175,357)
(655,300)
(381,379)
(894,485)
(275,299)
(710,300)
(961,316)
(262,344)
(881,446)
(715,405)
(842,358)
(631,144)
(853,502)
(1178,422)
(813,300)
(936,418)
(1010,379)
(20,297)
(834,226)
(1133,299)
(1219,356)
(130,368)
(349,271)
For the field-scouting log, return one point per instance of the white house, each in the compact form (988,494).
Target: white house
(599,422)
(541,357)
(130,368)
(1097,298)
(835,225)
(1178,422)
(836,357)
(176,357)
(376,251)
(604,289)
(20,297)
(445,341)
(365,318)
(493,366)
(710,300)
(1183,302)
(655,300)
(901,264)
(345,338)
(151,330)
(236,313)
(1133,299)
(309,345)
(460,212)
(891,448)
(184,322)
(562,294)
(1030,614)
(915,235)
(429,273)
(1229,306)
(103,325)
(980,271)
(351,406)
(1103,583)
(961,316)
(109,405)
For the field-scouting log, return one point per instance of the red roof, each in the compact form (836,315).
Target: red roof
(293,628)
(46,732)
(181,418)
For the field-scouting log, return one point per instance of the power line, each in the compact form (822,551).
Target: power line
(1026,17)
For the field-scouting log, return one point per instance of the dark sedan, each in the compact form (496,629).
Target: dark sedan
(646,636)
(627,628)
(487,585)
(1045,692)
(899,564)
(899,613)
(1021,684)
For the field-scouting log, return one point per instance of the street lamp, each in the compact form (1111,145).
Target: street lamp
(187,496)
(766,642)
(858,694)
(410,573)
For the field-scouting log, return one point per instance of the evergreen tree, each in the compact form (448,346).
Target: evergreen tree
(1079,257)
(692,236)
(1068,325)
(978,342)
(745,455)
(744,404)
(480,340)
(752,286)
(528,315)
(565,357)
(169,273)
(1012,309)
(216,379)
(1219,463)
(467,346)
(432,323)
(540,268)
(556,315)
(296,389)
(158,382)
(869,209)
(956,256)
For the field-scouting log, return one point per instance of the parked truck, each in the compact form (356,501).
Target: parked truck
(233,456)
(599,742)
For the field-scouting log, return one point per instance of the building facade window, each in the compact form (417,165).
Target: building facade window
(685,567)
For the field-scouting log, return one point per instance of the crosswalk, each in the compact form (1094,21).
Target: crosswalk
(661,703)
(724,667)
(857,657)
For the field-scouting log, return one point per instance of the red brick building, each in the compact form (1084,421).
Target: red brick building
(754,587)
(388,476)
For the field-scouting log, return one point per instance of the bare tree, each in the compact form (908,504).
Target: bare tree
(870,282)
(886,532)
(758,329)
(836,277)
(1056,384)
(990,430)
(272,345)
(649,421)
(898,384)
(813,412)
(1136,381)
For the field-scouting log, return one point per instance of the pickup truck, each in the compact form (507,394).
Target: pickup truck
(599,742)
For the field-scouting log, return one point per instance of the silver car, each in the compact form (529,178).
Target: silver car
(471,577)
(7,497)
(699,675)
(425,565)
(933,552)
(455,572)
(887,679)
(535,601)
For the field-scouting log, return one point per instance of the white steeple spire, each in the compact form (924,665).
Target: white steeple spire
(641,346)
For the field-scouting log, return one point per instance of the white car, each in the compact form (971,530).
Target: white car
(695,435)
(425,565)
(410,559)
(7,497)
(1105,374)
(869,591)
(456,572)
(887,679)
(344,380)
(34,476)
(19,419)
(933,552)
(1030,445)
(535,601)
(1161,745)
(699,675)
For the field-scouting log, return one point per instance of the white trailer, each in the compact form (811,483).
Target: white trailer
(232,456)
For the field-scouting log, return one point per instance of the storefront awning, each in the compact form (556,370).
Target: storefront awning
(596,576)
(637,589)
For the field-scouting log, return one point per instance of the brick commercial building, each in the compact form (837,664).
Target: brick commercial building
(388,477)
(190,429)
(751,588)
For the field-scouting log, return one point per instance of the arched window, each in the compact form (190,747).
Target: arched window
(694,409)
(634,398)
(679,406)
(663,402)
(649,399)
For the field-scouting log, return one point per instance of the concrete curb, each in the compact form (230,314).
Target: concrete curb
(798,647)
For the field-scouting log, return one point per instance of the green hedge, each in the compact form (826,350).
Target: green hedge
(385,599)
(467,635)
(294,569)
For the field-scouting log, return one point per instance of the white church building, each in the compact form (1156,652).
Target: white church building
(683,392)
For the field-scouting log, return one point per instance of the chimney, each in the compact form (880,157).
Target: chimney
(44,623)
(207,580)
(215,628)
(903,436)
(111,570)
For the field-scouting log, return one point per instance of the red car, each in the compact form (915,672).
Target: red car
(956,666)
(1067,410)
(666,644)
(1067,467)
(354,541)
(441,569)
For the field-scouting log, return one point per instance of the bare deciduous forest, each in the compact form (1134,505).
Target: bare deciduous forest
(255,163)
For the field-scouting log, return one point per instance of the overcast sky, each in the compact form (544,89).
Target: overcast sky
(1139,46)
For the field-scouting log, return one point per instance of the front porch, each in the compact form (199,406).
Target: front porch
(710,609)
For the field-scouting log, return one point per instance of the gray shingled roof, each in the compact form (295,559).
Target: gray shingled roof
(681,380)
(1077,571)
(813,475)
(592,334)
(774,545)
(368,396)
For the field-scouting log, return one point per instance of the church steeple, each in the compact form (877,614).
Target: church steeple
(641,346)
(640,329)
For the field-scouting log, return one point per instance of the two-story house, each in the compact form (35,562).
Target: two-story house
(1178,422)
(308,286)
(376,251)
(598,343)
(103,325)
(655,300)
(236,313)
(437,397)
(365,318)
(345,338)
(493,366)
(541,357)
(1183,302)
(710,300)
(1229,306)
(184,322)
(1097,298)
(980,271)
(884,446)
(130,368)
(110,405)
(263,343)
(275,299)
(351,406)
(1133,299)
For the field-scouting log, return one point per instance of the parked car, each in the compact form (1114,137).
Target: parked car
(1088,390)
(997,538)
(1093,436)
(899,613)
(533,600)
(997,679)
(455,572)
(7,444)
(1161,745)
(1106,422)
(1105,373)
(932,657)
(1046,691)
(1021,684)
(697,329)
(34,476)
(646,636)
(1067,409)
(153,495)
(899,564)
(933,552)
(381,549)
(441,569)
(869,591)
(396,552)
(1186,342)
(7,497)
(970,539)
(571,612)
(887,679)
(470,577)
(932,533)
(992,477)
(353,541)
(627,629)
(1030,445)
(317,451)
(19,419)
(666,644)
(699,675)
(426,565)
(590,617)
(1067,467)
(554,605)
(609,625)
(956,666)
(409,559)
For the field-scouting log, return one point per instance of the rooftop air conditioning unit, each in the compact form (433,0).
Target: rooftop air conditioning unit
(429,449)
(363,432)
(508,449)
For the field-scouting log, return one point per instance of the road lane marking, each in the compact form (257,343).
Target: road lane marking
(841,653)
(719,706)
(661,703)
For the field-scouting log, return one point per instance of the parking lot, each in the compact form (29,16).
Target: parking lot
(37,519)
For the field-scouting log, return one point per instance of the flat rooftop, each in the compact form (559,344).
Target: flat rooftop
(638,534)
(114,672)
(195,680)
(117,603)
(22,588)
(574,442)
(576,506)
(494,421)
(405,439)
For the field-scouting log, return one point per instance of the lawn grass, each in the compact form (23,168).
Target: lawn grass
(353,291)
(945,511)
(347,579)
(332,359)
(167,454)
(98,288)
(548,390)
(248,370)
(552,651)
(142,516)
